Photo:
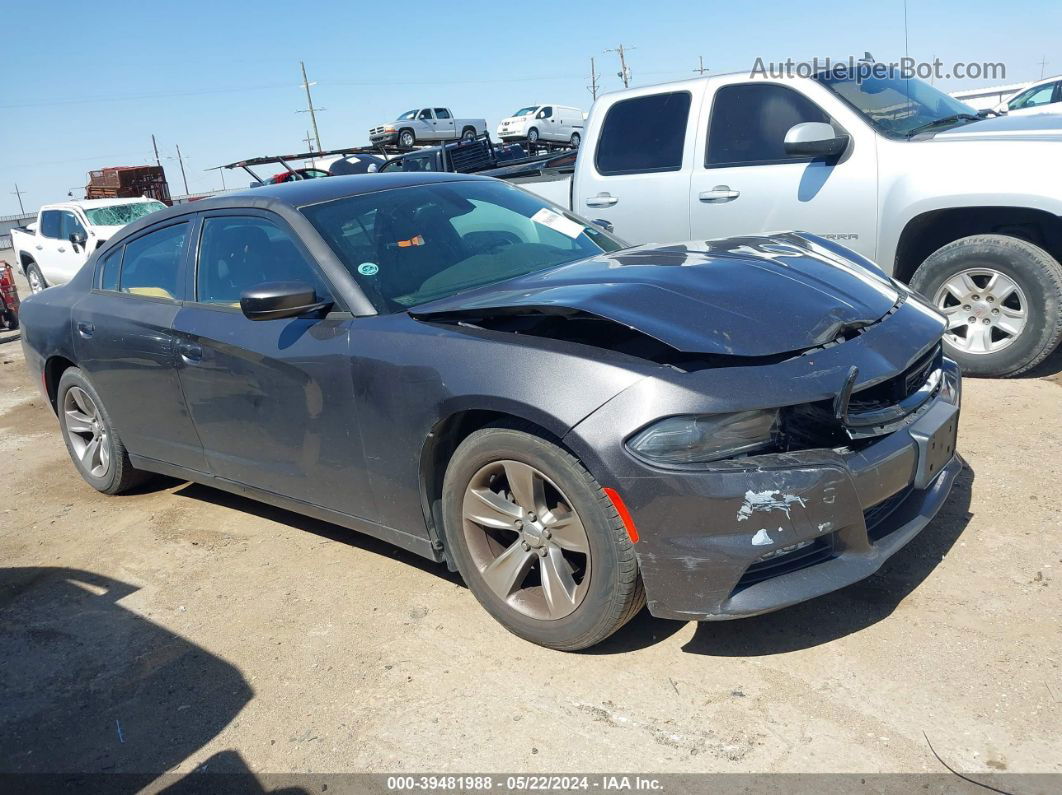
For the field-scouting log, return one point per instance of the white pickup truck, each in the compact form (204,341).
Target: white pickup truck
(426,125)
(966,209)
(52,249)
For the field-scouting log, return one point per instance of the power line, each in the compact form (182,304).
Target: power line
(309,106)
(624,73)
(592,88)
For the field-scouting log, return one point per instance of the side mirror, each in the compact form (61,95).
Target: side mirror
(606,225)
(1002,108)
(815,139)
(78,239)
(276,300)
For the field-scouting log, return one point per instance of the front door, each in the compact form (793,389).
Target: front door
(124,342)
(272,400)
(745,183)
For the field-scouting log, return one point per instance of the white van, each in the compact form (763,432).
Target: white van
(555,123)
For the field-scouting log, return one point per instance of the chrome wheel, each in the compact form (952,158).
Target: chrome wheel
(986,310)
(526,540)
(36,281)
(86,432)
(406,139)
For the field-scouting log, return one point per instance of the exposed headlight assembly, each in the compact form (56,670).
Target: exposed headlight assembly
(677,441)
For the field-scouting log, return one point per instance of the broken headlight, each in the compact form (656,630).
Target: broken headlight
(698,439)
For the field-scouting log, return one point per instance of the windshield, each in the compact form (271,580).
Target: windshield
(409,114)
(408,246)
(895,105)
(121,214)
(526,111)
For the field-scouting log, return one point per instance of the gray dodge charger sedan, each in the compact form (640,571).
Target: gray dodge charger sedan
(720,428)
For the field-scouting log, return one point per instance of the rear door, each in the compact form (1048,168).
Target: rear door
(445,124)
(272,400)
(745,183)
(124,341)
(638,176)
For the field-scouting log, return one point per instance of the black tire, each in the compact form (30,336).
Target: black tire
(576,140)
(1035,271)
(120,475)
(532,135)
(406,139)
(468,134)
(34,273)
(615,593)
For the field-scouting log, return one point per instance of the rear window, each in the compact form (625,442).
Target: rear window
(644,134)
(152,263)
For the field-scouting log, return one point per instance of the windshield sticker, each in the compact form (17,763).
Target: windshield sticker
(557,223)
(368,269)
(416,240)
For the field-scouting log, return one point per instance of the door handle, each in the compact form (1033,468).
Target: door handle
(86,330)
(190,352)
(601,200)
(61,249)
(39,247)
(718,194)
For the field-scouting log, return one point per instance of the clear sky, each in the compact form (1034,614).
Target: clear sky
(84,85)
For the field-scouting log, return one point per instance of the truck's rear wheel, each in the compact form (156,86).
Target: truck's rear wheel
(468,133)
(1002,297)
(35,278)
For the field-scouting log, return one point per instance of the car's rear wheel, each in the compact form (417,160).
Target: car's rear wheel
(94,446)
(1002,297)
(406,139)
(35,278)
(532,136)
(538,541)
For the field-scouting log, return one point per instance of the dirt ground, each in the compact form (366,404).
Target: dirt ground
(180,627)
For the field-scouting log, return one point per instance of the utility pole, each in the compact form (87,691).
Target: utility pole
(1043,63)
(179,160)
(624,73)
(309,106)
(17,192)
(592,88)
(309,144)
(155,146)
(702,68)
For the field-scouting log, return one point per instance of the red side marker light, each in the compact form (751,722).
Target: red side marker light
(624,514)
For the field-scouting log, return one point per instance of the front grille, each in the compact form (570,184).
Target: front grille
(875,515)
(897,388)
(819,552)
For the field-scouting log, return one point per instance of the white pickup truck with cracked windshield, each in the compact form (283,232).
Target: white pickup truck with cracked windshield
(52,249)
(966,209)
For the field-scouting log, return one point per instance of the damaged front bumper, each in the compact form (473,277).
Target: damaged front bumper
(747,536)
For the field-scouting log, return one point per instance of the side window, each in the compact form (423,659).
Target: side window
(442,113)
(644,134)
(425,114)
(546,113)
(749,123)
(50,224)
(110,266)
(69,225)
(152,263)
(237,253)
(1041,95)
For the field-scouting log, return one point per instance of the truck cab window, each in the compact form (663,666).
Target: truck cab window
(749,122)
(50,224)
(425,115)
(644,134)
(442,113)
(70,225)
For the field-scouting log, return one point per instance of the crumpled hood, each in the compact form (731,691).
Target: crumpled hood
(1044,127)
(745,296)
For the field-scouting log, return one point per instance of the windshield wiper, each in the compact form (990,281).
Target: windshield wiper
(945,120)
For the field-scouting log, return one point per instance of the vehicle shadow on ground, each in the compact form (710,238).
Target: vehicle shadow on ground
(332,532)
(826,618)
(90,687)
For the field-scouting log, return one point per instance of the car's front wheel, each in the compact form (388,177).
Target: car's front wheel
(94,445)
(532,136)
(538,541)
(1002,297)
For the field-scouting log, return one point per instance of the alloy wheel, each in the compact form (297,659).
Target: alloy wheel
(36,283)
(86,432)
(526,540)
(986,310)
